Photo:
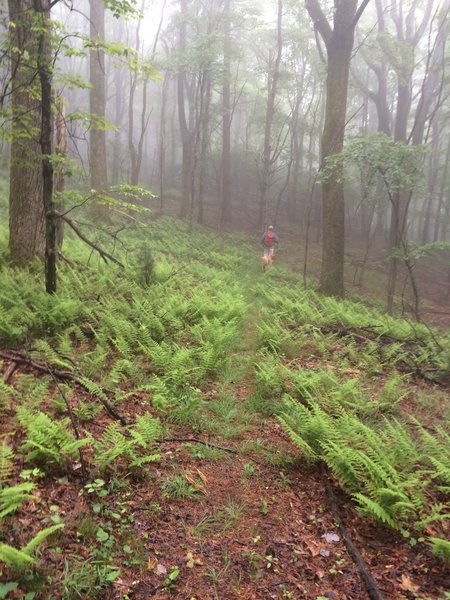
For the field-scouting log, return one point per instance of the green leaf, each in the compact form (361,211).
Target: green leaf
(5,588)
(102,535)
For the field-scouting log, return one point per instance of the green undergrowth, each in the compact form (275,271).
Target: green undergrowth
(169,342)
(341,375)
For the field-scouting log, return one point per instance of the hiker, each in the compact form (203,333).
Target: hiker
(268,241)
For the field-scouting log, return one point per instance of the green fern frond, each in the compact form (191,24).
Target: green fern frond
(375,510)
(6,464)
(112,445)
(146,430)
(442,471)
(40,537)
(341,460)
(43,351)
(301,444)
(48,441)
(19,560)
(440,547)
(5,392)
(13,497)
(141,461)
(93,388)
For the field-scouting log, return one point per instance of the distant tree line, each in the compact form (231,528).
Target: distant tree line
(233,113)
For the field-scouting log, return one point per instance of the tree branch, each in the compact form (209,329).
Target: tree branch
(359,12)
(105,255)
(319,20)
(18,356)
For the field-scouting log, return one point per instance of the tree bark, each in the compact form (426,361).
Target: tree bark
(339,45)
(267,163)
(187,133)
(44,66)
(226,208)
(97,97)
(26,210)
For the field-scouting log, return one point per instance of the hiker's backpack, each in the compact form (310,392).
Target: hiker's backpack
(269,239)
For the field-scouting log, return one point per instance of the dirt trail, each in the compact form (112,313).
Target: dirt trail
(263,526)
(249,522)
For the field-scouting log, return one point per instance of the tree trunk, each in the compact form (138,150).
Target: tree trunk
(226,208)
(97,96)
(187,134)
(26,210)
(339,45)
(44,66)
(162,139)
(58,179)
(266,173)
(204,141)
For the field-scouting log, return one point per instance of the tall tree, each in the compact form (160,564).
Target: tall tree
(185,97)
(26,210)
(339,44)
(226,207)
(97,97)
(44,69)
(268,158)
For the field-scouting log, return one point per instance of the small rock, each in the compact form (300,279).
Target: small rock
(160,569)
(331,537)
(324,552)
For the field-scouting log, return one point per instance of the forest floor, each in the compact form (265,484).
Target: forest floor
(239,515)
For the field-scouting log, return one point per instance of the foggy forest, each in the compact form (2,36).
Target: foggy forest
(224,299)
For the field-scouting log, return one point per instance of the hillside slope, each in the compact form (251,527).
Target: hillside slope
(190,427)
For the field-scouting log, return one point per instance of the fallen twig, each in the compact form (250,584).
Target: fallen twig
(197,441)
(9,372)
(22,357)
(367,577)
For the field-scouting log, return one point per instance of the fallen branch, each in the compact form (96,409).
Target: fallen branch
(367,577)
(9,372)
(23,358)
(105,255)
(197,441)
(412,367)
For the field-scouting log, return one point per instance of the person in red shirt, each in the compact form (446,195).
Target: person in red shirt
(269,239)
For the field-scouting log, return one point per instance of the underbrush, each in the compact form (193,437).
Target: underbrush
(98,376)
(341,374)
(139,342)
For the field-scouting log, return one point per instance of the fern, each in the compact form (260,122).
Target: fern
(19,560)
(147,430)
(114,445)
(5,392)
(6,465)
(93,388)
(48,442)
(440,547)
(13,497)
(43,351)
(375,510)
